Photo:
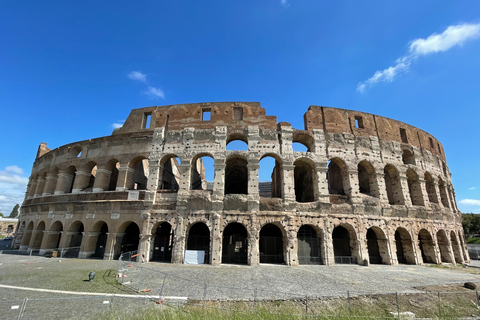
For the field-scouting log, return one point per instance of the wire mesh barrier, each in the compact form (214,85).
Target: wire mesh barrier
(69,252)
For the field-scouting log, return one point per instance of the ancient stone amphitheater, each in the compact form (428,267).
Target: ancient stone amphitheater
(365,189)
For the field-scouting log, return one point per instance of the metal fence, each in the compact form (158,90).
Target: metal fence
(70,252)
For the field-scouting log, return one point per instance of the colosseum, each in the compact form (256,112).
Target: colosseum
(365,190)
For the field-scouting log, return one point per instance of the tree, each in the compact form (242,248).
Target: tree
(1,214)
(14,212)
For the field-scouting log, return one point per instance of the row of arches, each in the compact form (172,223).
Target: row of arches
(310,243)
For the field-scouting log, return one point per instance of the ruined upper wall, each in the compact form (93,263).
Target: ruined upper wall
(180,116)
(334,120)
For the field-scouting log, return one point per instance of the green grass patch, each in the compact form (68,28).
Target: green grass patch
(473,240)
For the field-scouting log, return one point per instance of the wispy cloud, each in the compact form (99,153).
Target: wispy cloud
(451,37)
(138,76)
(470,202)
(285,3)
(152,92)
(155,92)
(472,188)
(12,188)
(117,125)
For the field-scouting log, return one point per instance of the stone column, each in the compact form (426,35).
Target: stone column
(288,183)
(253,195)
(382,188)
(32,185)
(218,184)
(64,181)
(323,194)
(216,241)
(327,244)
(178,251)
(423,190)
(437,193)
(405,191)
(253,256)
(350,185)
(82,179)
(110,246)
(39,187)
(144,247)
(50,184)
(125,178)
(102,180)
(89,241)
(155,173)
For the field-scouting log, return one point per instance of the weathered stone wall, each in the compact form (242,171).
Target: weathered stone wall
(368,190)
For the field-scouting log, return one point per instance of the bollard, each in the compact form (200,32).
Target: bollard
(348,299)
(204,296)
(398,305)
(91,276)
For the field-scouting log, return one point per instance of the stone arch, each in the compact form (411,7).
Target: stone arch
(408,157)
(430,187)
(113,165)
(162,242)
(392,185)
(198,239)
(27,234)
(367,181)
(42,178)
(38,235)
(130,237)
(101,228)
(198,177)
(305,180)
(271,243)
(137,176)
(234,142)
(427,246)
(33,185)
(75,152)
(456,247)
(76,234)
(404,246)
(272,188)
(345,244)
(70,177)
(51,183)
(414,188)
(309,245)
(444,246)
(377,246)
(170,175)
(304,138)
(235,244)
(85,177)
(54,235)
(236,175)
(336,176)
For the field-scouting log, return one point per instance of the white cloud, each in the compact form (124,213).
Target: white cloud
(285,3)
(471,202)
(12,188)
(472,188)
(118,124)
(137,76)
(155,92)
(451,37)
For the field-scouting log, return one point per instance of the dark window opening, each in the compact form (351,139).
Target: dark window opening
(131,238)
(308,246)
(335,179)
(236,176)
(341,246)
(403,135)
(363,179)
(235,244)
(101,242)
(147,117)
(431,143)
(271,244)
(199,239)
(170,175)
(303,182)
(163,243)
(373,248)
(425,242)
(408,157)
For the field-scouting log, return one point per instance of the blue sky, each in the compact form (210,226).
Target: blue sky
(70,71)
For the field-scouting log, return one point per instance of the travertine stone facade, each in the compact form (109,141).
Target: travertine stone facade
(368,189)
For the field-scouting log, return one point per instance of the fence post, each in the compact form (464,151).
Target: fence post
(255,297)
(22,309)
(306,304)
(398,305)
(204,296)
(439,305)
(348,299)
(478,302)
(163,285)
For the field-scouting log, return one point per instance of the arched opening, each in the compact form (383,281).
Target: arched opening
(76,233)
(113,166)
(335,176)
(140,175)
(202,174)
(54,235)
(270,177)
(27,234)
(308,246)
(427,247)
(367,182)
(443,193)
(163,243)
(404,246)
(373,247)
(237,142)
(408,157)
(51,182)
(414,188)
(199,240)
(75,152)
(236,176)
(92,168)
(430,186)
(444,247)
(101,239)
(392,185)
(302,141)
(170,178)
(131,238)
(235,244)
(342,249)
(271,244)
(304,179)
(456,248)
(39,232)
